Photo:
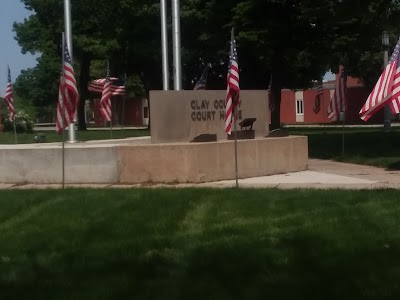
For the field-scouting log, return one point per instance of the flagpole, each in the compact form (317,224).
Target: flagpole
(15,131)
(234,115)
(111,108)
(123,105)
(111,127)
(323,106)
(344,118)
(68,37)
(63,111)
(236,156)
(123,112)
(14,126)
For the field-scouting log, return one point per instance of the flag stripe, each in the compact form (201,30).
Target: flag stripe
(68,95)
(233,89)
(338,101)
(97,86)
(9,98)
(387,88)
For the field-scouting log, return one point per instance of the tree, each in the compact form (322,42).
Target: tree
(100,31)
(295,41)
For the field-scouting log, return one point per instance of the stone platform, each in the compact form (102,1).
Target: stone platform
(132,161)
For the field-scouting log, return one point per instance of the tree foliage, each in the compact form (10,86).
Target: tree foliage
(294,41)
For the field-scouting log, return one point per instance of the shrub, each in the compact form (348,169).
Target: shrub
(23,122)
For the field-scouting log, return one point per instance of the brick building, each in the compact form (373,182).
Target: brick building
(297,106)
(126,112)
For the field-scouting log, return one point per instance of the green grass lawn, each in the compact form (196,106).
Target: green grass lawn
(199,244)
(87,135)
(369,146)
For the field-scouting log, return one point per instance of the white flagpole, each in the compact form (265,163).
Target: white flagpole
(164,44)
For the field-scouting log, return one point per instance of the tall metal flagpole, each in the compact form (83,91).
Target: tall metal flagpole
(176,41)
(68,36)
(63,110)
(164,44)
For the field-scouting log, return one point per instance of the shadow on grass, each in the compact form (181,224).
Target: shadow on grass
(369,146)
(394,166)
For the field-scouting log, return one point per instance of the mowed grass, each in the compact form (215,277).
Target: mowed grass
(199,244)
(368,146)
(81,135)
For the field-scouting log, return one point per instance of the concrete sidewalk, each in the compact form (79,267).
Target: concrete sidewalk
(321,174)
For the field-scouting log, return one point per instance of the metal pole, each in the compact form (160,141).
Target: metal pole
(123,104)
(236,159)
(15,132)
(63,112)
(386,112)
(164,44)
(68,37)
(344,118)
(234,115)
(176,41)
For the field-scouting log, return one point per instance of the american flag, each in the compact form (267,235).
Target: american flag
(202,83)
(105,102)
(233,89)
(386,89)
(117,86)
(271,101)
(338,101)
(8,97)
(68,96)
(318,97)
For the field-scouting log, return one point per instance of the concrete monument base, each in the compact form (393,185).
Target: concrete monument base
(139,161)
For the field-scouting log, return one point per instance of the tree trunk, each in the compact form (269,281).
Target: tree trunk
(276,86)
(83,82)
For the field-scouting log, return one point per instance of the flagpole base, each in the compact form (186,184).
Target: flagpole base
(71,134)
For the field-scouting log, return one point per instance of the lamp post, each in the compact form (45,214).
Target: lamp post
(386,112)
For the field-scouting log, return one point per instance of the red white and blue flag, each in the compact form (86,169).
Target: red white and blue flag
(9,98)
(338,101)
(68,96)
(105,102)
(117,86)
(233,88)
(202,82)
(387,89)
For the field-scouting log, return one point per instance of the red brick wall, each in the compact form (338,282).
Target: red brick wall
(356,97)
(288,107)
(132,112)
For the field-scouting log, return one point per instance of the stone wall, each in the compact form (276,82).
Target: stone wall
(144,162)
(179,116)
